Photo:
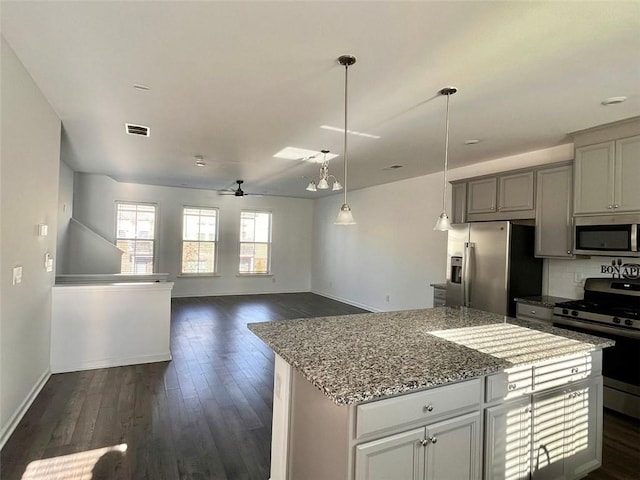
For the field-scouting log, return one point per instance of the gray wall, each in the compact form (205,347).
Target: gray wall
(95,197)
(65,212)
(29,196)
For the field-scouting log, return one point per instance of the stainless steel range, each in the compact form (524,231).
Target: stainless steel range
(611,308)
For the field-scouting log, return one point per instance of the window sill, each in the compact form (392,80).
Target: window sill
(254,274)
(197,275)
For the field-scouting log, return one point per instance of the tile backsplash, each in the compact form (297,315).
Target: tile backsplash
(565,278)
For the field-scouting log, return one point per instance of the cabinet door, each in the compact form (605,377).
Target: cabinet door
(481,196)
(397,457)
(594,176)
(549,431)
(516,192)
(627,174)
(459,203)
(508,440)
(553,212)
(584,416)
(454,448)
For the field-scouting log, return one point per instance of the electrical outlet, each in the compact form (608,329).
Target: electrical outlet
(17,275)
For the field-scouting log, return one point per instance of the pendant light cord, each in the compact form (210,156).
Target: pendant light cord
(346,76)
(446,158)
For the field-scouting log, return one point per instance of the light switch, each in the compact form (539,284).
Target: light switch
(17,275)
(48,262)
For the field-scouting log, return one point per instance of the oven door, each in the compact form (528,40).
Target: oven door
(620,364)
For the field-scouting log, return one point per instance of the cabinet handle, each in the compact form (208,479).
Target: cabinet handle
(433,439)
(569,252)
(533,312)
(512,386)
(429,408)
(616,206)
(575,370)
(424,442)
(609,207)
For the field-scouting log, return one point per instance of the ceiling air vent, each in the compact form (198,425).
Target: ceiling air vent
(137,130)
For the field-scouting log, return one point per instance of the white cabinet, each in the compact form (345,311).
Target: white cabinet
(553,212)
(606,177)
(444,450)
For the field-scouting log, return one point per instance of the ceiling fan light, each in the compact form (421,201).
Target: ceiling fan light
(312,187)
(345,217)
(323,184)
(442,224)
(336,186)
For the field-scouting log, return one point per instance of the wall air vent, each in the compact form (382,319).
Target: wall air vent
(139,130)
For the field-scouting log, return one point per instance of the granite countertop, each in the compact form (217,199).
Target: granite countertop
(544,300)
(354,358)
(438,285)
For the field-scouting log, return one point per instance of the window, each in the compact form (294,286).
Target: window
(255,242)
(135,236)
(199,238)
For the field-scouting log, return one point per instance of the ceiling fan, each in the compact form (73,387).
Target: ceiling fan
(238,192)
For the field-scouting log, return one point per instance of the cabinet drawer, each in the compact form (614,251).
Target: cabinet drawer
(416,407)
(439,293)
(538,312)
(567,369)
(509,384)
(439,302)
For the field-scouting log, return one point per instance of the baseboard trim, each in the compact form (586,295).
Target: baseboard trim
(347,301)
(8,429)
(226,294)
(110,362)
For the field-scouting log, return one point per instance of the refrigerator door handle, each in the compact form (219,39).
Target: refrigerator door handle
(466,269)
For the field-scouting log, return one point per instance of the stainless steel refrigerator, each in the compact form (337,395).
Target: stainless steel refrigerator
(489,264)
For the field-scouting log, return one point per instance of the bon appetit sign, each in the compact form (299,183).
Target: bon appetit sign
(619,269)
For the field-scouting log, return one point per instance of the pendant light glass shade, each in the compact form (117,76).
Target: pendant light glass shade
(443,224)
(312,187)
(345,217)
(323,184)
(336,186)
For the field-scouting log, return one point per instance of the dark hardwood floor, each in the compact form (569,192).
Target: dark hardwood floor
(204,415)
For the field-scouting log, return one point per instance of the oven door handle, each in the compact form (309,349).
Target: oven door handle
(595,327)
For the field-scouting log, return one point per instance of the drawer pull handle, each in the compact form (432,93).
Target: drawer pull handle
(575,370)
(429,408)
(533,312)
(512,386)
(433,439)
(424,442)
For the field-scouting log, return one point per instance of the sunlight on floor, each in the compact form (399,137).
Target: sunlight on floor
(76,466)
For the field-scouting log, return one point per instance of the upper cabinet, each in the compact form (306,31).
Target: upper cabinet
(459,203)
(502,197)
(553,212)
(606,177)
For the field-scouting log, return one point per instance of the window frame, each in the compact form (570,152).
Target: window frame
(269,243)
(216,243)
(156,218)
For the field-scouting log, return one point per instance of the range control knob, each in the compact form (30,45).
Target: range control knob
(565,311)
(574,313)
(628,322)
(616,320)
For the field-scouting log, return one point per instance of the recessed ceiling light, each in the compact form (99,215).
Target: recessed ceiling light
(199,161)
(471,141)
(295,153)
(141,87)
(395,166)
(350,132)
(613,101)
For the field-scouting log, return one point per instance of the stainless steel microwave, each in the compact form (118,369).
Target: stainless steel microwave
(610,235)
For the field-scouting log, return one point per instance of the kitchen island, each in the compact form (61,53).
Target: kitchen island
(429,394)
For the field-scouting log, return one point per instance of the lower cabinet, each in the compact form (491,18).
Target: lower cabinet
(443,450)
(555,434)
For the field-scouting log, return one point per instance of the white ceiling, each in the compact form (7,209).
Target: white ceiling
(237,81)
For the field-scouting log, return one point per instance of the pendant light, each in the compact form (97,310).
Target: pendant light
(443,224)
(345,217)
(323,183)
